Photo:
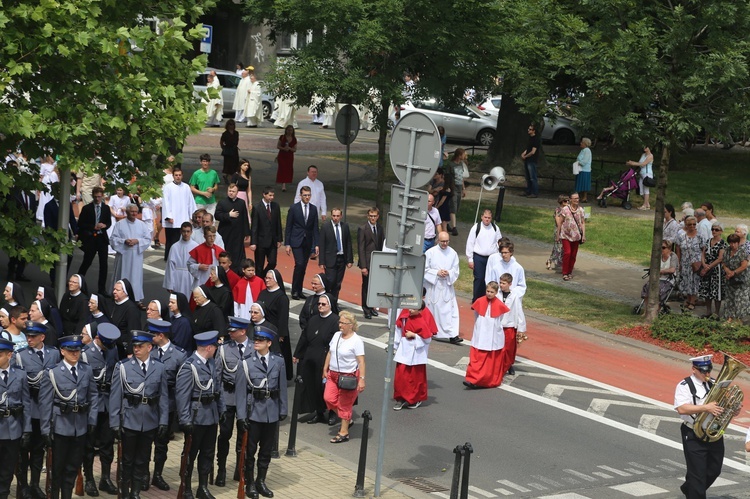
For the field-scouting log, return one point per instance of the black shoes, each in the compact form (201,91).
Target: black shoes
(250,490)
(221,477)
(90,488)
(317,418)
(456,340)
(296,296)
(374,312)
(470,386)
(367,313)
(106,485)
(260,483)
(511,371)
(158,482)
(332,418)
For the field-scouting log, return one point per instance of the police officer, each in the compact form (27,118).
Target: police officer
(69,408)
(139,408)
(200,407)
(230,355)
(261,397)
(703,459)
(172,357)
(34,359)
(15,422)
(100,352)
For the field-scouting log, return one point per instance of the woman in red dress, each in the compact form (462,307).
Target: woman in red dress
(287,146)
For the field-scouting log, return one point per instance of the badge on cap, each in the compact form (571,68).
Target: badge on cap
(236,323)
(703,362)
(263,333)
(141,337)
(72,342)
(34,328)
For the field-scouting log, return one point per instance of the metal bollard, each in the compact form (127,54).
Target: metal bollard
(291,449)
(359,487)
(468,449)
(459,452)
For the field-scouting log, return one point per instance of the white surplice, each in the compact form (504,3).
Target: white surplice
(441,295)
(177,277)
(129,259)
(488,332)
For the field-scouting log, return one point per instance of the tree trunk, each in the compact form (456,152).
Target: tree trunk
(652,305)
(382,137)
(511,138)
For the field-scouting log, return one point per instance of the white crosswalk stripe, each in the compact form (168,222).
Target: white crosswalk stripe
(508,483)
(553,391)
(614,470)
(600,406)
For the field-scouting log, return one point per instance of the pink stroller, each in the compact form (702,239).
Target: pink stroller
(621,189)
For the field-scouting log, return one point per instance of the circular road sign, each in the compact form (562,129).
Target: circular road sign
(347,124)
(426,153)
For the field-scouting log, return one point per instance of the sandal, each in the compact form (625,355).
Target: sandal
(339,438)
(351,423)
(566,277)
(549,264)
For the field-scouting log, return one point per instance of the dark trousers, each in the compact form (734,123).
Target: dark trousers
(92,247)
(480,268)
(263,435)
(16,266)
(703,460)
(204,442)
(136,451)
(162,444)
(67,457)
(262,254)
(226,430)
(301,256)
(33,457)
(335,275)
(104,440)
(8,460)
(171,236)
(365,285)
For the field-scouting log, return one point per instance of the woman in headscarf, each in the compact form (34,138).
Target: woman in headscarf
(207,315)
(97,312)
(74,305)
(277,312)
(310,307)
(40,311)
(156,310)
(47,293)
(310,355)
(221,292)
(182,325)
(126,315)
(258,317)
(13,295)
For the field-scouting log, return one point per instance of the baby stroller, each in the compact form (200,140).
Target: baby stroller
(666,286)
(621,189)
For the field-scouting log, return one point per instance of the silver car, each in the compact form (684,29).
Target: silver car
(560,130)
(229,82)
(467,123)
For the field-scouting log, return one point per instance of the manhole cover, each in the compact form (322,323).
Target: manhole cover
(422,484)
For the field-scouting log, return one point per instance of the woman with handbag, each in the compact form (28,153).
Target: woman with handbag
(689,249)
(572,223)
(646,176)
(583,179)
(230,141)
(713,288)
(344,373)
(737,300)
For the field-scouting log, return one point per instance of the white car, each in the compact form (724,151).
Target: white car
(560,130)
(229,82)
(467,123)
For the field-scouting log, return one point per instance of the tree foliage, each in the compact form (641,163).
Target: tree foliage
(87,78)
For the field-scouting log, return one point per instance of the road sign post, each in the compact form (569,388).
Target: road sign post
(347,129)
(415,154)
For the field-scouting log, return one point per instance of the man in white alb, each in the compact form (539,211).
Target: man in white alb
(318,191)
(177,206)
(440,274)
(130,239)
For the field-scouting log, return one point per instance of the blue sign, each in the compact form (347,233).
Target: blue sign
(206,42)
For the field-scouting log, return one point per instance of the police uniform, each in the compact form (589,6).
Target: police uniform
(229,356)
(139,405)
(261,397)
(15,417)
(34,362)
(172,357)
(102,360)
(200,406)
(703,459)
(69,407)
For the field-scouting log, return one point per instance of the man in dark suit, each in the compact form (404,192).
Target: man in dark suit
(93,223)
(26,204)
(336,253)
(370,237)
(301,238)
(266,232)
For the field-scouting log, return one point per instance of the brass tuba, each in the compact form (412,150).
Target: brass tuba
(708,427)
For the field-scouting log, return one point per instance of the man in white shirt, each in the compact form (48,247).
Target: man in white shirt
(441,273)
(431,224)
(177,207)
(481,244)
(318,193)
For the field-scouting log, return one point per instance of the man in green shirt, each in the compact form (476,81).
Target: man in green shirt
(203,184)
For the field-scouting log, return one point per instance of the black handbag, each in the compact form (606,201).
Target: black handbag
(346,381)
(649,182)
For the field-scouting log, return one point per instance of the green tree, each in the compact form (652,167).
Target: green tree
(658,72)
(84,78)
(363,47)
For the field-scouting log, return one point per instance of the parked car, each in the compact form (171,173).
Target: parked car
(560,130)
(229,82)
(467,123)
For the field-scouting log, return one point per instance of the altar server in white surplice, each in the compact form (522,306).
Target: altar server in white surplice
(177,276)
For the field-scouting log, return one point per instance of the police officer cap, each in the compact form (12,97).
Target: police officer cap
(34,328)
(206,338)
(158,326)
(6,344)
(108,333)
(263,333)
(72,342)
(702,363)
(236,323)
(141,337)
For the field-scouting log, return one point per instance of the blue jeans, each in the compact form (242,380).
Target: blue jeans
(532,183)
(428,244)
(480,269)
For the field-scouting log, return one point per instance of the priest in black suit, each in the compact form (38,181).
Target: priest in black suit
(234,226)
(266,231)
(336,253)
(370,237)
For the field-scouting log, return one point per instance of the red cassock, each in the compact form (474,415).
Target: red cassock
(410,381)
(239,290)
(487,367)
